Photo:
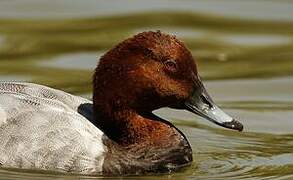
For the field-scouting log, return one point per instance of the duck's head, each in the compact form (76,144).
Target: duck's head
(153,70)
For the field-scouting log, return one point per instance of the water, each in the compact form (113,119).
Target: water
(233,38)
(270,10)
(1,40)
(244,53)
(15,78)
(263,151)
(72,61)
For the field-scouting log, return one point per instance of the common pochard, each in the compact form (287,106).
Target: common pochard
(47,129)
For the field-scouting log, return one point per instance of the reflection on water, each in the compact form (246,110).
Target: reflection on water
(15,78)
(1,40)
(226,49)
(260,40)
(86,61)
(233,38)
(270,89)
(270,10)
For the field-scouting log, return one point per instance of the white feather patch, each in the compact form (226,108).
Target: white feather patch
(3,116)
(41,128)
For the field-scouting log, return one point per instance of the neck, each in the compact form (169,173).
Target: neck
(145,143)
(128,127)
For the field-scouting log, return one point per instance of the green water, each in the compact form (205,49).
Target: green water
(244,53)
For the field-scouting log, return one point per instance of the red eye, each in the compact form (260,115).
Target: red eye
(171,65)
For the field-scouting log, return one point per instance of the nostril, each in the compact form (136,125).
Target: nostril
(204,100)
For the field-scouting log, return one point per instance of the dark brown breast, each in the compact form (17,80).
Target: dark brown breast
(172,154)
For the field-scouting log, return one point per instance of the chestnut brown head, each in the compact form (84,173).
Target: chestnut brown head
(153,70)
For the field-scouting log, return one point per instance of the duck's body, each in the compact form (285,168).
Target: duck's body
(46,129)
(41,128)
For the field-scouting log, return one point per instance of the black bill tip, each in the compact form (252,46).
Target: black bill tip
(233,125)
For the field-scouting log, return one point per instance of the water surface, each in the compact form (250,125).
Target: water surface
(249,9)
(15,78)
(244,53)
(86,61)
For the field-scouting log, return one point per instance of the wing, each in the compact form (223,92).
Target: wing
(40,128)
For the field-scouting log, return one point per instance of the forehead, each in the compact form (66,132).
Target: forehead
(163,45)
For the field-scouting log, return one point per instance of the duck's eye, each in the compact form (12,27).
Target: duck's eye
(171,65)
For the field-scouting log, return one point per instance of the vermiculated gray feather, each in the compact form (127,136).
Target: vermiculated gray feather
(40,128)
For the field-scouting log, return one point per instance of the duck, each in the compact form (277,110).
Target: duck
(116,133)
